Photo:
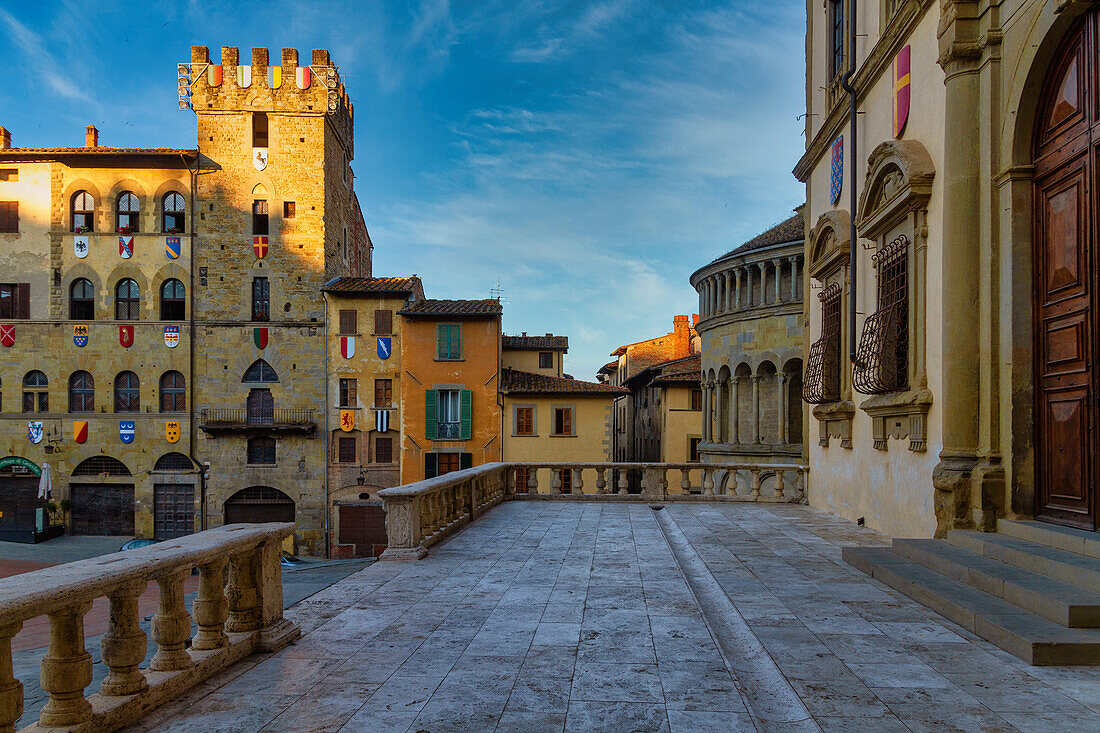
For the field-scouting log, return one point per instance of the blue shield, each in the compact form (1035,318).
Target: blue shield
(384,347)
(836,183)
(126,431)
(80,335)
(172,247)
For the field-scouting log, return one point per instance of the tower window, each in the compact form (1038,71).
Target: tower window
(127,213)
(83,210)
(259,216)
(261,299)
(174,213)
(259,129)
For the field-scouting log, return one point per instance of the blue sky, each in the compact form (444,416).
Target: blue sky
(587,155)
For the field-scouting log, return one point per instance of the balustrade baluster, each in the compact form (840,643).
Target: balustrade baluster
(622,481)
(11,689)
(171,624)
(755,485)
(601,483)
(66,669)
(708,482)
(532,480)
(210,607)
(779,484)
(123,646)
(685,481)
(241,592)
(578,480)
(731,483)
(555,480)
(800,476)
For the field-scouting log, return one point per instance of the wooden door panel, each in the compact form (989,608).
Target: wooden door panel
(1064,262)
(1066,466)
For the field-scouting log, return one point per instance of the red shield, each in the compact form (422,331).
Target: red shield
(126,336)
(259,337)
(259,246)
(7,335)
(901,90)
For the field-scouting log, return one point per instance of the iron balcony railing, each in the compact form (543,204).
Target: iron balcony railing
(448,430)
(241,418)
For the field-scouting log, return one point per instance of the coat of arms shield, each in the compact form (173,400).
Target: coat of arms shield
(126,431)
(80,246)
(34,432)
(171,336)
(836,183)
(80,335)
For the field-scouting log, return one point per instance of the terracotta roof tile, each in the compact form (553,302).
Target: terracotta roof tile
(790,230)
(518,382)
(685,369)
(97,150)
(429,307)
(376,285)
(534,342)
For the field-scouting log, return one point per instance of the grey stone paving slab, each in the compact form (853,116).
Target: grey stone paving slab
(576,617)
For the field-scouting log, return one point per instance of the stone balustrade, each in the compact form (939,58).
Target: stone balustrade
(422,513)
(237,613)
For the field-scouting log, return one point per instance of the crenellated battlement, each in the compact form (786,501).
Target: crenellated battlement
(232,86)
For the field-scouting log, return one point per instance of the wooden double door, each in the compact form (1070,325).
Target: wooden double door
(1067,282)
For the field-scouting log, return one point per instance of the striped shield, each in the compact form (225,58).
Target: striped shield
(274,76)
(381,420)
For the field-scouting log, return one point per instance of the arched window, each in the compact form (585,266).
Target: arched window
(172,305)
(173,397)
(126,213)
(127,393)
(82,300)
(101,466)
(36,397)
(81,392)
(260,371)
(127,299)
(173,462)
(174,213)
(83,211)
(261,450)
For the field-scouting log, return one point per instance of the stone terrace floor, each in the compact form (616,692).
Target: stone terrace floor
(567,616)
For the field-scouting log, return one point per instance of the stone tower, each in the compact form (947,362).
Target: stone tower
(276,217)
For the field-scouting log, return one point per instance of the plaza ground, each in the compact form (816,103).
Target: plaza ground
(615,617)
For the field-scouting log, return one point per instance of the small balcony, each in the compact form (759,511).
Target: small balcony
(448,431)
(270,419)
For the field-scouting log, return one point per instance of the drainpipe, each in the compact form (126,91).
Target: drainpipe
(846,85)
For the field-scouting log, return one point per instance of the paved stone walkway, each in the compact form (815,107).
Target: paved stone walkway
(576,617)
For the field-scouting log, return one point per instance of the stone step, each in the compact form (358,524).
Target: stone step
(1053,535)
(1063,603)
(1068,567)
(1032,638)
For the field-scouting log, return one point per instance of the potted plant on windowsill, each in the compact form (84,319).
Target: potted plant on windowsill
(125,230)
(82,229)
(173,230)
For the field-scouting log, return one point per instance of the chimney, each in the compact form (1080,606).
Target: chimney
(524,333)
(549,335)
(681,336)
(5,138)
(91,137)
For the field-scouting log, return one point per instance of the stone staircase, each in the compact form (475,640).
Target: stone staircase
(1032,588)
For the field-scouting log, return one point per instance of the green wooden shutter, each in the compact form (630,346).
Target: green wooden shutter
(466,460)
(430,463)
(467,409)
(456,342)
(431,414)
(440,347)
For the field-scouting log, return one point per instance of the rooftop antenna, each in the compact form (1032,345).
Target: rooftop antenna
(497,293)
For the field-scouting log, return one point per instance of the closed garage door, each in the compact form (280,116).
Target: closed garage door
(173,510)
(18,499)
(363,526)
(103,509)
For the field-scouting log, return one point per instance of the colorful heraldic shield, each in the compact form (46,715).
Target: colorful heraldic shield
(347,420)
(385,347)
(125,247)
(259,246)
(347,346)
(80,246)
(244,76)
(80,335)
(259,158)
(34,432)
(901,90)
(303,76)
(259,337)
(7,335)
(126,431)
(126,336)
(382,420)
(172,248)
(171,336)
(172,431)
(274,76)
(80,431)
(836,183)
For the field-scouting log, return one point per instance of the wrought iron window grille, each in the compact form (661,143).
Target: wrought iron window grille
(882,359)
(822,380)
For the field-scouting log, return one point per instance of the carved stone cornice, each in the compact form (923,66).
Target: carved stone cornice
(830,242)
(899,180)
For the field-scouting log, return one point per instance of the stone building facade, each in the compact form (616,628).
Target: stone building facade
(201,320)
(752,330)
(952,370)
(667,401)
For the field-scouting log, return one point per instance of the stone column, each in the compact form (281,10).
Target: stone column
(729,290)
(66,669)
(210,607)
(715,307)
(778,265)
(748,287)
(763,282)
(707,406)
(794,276)
(171,624)
(735,383)
(11,689)
(781,407)
(737,288)
(755,408)
(123,646)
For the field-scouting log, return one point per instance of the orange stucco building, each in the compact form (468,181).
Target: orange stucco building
(451,364)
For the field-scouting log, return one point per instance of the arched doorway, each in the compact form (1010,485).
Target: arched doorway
(1067,183)
(259,504)
(173,496)
(102,494)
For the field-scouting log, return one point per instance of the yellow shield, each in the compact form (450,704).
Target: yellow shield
(347,420)
(172,431)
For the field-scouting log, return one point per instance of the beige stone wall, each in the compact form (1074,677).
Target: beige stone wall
(681,423)
(28,251)
(527,360)
(591,415)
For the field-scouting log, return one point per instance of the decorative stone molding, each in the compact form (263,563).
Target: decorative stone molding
(830,243)
(951,479)
(900,415)
(834,420)
(899,176)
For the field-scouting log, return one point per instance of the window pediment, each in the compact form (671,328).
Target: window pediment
(899,180)
(829,240)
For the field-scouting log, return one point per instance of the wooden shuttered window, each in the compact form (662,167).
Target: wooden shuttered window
(15,300)
(563,421)
(383,450)
(349,322)
(431,416)
(383,322)
(347,450)
(349,392)
(466,421)
(465,460)
(431,467)
(9,216)
(383,392)
(525,421)
(448,342)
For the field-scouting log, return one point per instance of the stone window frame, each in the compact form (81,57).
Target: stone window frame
(516,407)
(572,407)
(894,201)
(829,250)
